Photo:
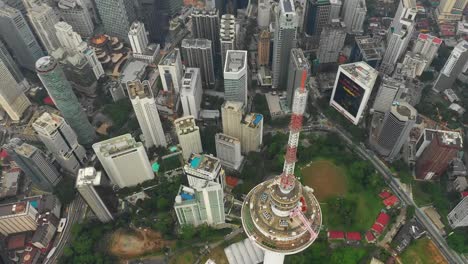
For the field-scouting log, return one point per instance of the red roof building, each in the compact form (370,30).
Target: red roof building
(385,194)
(370,238)
(232,181)
(48,100)
(464,194)
(336,235)
(391,201)
(377,228)
(383,219)
(16,241)
(353,236)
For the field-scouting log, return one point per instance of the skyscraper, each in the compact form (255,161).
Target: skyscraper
(284,41)
(399,35)
(458,217)
(450,11)
(264,48)
(317,15)
(144,105)
(75,13)
(453,67)
(43,18)
(251,133)
(18,37)
(138,38)
(436,150)
(124,160)
(170,69)
(34,163)
(235,76)
(388,138)
(198,54)
(263,14)
(203,168)
(171,7)
(86,181)
(61,140)
(12,98)
(231,115)
(5,58)
(297,64)
(205,25)
(387,93)
(332,42)
(192,92)
(58,87)
(366,49)
(117,16)
(228,150)
(227,35)
(353,86)
(188,134)
(353,14)
(427,46)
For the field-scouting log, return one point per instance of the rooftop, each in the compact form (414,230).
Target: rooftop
(233,106)
(189,80)
(369,47)
(135,27)
(196,43)
(253,120)
(361,71)
(139,89)
(13,209)
(88,176)
(236,60)
(203,162)
(287,6)
(25,150)
(170,58)
(404,110)
(48,122)
(185,125)
(226,138)
(133,70)
(299,59)
(116,144)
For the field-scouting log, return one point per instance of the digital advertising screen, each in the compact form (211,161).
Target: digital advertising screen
(348,94)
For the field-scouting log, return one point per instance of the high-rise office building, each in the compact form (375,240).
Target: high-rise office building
(58,87)
(12,98)
(86,182)
(205,25)
(263,14)
(453,67)
(264,48)
(34,163)
(203,168)
(231,115)
(427,46)
(297,64)
(251,132)
(144,105)
(366,49)
(7,59)
(198,53)
(124,160)
(353,14)
(170,69)
(388,137)
(236,76)
(353,86)
(387,93)
(316,16)
(171,7)
(17,218)
(192,92)
(458,217)
(228,150)
(399,34)
(117,16)
(188,134)
(138,38)
(284,41)
(195,206)
(43,18)
(450,11)
(75,13)
(61,140)
(227,35)
(436,150)
(18,37)
(332,42)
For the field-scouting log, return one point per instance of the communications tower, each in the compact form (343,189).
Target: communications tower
(281,215)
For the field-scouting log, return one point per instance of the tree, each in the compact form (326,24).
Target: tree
(427,76)
(458,241)
(65,190)
(188,232)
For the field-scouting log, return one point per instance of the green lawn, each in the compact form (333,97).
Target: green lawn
(422,252)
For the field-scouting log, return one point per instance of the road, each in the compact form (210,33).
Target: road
(75,214)
(451,256)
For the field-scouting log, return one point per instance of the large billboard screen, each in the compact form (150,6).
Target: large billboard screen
(348,95)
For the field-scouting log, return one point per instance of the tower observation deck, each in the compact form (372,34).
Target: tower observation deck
(280,215)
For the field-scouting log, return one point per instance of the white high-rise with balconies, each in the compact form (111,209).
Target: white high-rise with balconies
(43,18)
(228,150)
(231,115)
(138,37)
(353,14)
(191,92)
(76,13)
(144,105)
(236,76)
(188,134)
(227,35)
(455,64)
(124,160)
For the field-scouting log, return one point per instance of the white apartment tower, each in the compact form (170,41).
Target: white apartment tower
(138,37)
(192,92)
(427,46)
(85,181)
(455,64)
(76,13)
(354,12)
(235,76)
(144,105)
(124,160)
(450,11)
(61,140)
(332,41)
(228,150)
(458,217)
(43,18)
(203,168)
(170,70)
(231,115)
(284,41)
(227,35)
(399,34)
(188,134)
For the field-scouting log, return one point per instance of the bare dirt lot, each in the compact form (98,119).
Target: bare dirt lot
(325,178)
(127,244)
